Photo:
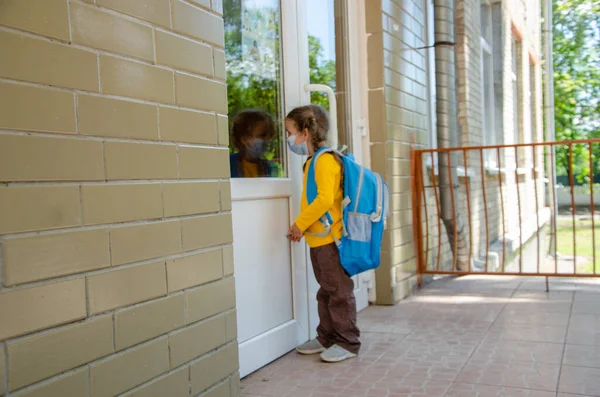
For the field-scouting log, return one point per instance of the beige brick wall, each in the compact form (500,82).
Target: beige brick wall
(398,119)
(520,14)
(116,268)
(398,113)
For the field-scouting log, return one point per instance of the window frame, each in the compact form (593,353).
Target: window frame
(516,88)
(487,78)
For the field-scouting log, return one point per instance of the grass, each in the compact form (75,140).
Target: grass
(584,243)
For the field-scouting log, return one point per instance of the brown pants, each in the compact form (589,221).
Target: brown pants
(337,305)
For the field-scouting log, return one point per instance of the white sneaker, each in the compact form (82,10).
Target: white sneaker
(336,354)
(312,347)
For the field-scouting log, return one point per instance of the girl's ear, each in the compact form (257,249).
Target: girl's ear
(305,132)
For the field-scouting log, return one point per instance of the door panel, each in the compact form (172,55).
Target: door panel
(264,299)
(268,53)
(270,273)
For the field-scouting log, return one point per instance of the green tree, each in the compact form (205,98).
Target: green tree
(322,71)
(253,87)
(577,82)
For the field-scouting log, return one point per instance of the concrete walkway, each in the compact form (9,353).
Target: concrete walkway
(463,337)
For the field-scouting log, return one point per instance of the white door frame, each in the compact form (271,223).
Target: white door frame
(278,341)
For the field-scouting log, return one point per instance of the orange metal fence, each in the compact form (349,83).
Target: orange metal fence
(498,208)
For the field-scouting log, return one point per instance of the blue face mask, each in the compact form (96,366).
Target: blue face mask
(300,149)
(256,149)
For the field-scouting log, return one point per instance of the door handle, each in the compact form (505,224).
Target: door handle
(333,131)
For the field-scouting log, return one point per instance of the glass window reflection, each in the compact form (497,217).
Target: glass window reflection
(252,49)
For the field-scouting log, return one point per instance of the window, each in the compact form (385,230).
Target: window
(532,103)
(487,83)
(515,89)
(254,88)
(431,85)
(431,76)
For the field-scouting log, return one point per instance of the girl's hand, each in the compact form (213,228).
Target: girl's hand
(295,234)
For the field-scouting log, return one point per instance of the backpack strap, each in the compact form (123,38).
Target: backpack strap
(312,192)
(376,216)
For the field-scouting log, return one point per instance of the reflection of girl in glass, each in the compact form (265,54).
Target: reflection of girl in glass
(252,130)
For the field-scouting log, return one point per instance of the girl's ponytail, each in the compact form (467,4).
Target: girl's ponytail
(314,119)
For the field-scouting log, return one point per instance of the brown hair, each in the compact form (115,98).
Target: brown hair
(314,119)
(247,121)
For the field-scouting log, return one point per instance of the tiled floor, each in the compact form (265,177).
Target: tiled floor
(465,337)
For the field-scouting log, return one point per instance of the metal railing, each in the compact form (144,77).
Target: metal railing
(503,207)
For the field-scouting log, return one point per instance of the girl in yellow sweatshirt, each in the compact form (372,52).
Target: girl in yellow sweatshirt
(338,334)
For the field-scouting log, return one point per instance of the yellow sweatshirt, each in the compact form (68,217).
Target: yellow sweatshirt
(328,175)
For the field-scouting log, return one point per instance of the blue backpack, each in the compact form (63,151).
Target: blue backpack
(364,210)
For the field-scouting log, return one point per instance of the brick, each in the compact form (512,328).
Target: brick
(180,125)
(125,287)
(149,320)
(231,324)
(108,117)
(27,108)
(32,309)
(186,344)
(2,369)
(174,384)
(205,232)
(190,198)
(373,16)
(41,356)
(202,163)
(46,17)
(193,270)
(235,385)
(47,256)
(183,54)
(221,390)
(228,260)
(223,130)
(377,116)
(200,93)
(398,150)
(95,28)
(120,203)
(225,188)
(211,299)
(136,80)
(34,158)
(155,11)
(127,161)
(219,60)
(214,368)
(198,23)
(400,185)
(375,60)
(129,369)
(72,384)
(25,209)
(137,243)
(45,62)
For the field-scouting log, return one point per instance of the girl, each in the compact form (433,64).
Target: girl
(337,339)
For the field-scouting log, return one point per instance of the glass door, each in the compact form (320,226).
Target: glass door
(274,50)
(270,273)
